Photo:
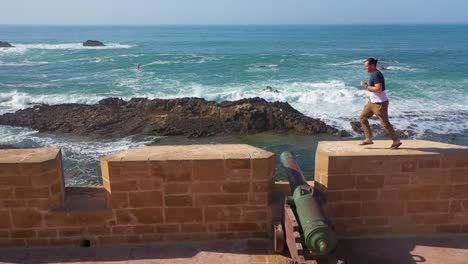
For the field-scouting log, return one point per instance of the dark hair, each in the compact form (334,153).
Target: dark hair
(372,61)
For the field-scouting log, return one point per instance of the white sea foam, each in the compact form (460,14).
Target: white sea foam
(333,101)
(21,48)
(400,68)
(14,100)
(23,63)
(347,63)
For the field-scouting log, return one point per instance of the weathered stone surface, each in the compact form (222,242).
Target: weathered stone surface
(93,43)
(192,117)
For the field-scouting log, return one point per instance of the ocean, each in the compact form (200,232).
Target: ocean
(315,68)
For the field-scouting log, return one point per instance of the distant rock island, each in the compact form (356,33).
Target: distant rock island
(192,117)
(93,43)
(5,45)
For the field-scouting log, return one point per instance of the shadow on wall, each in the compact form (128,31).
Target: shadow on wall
(192,251)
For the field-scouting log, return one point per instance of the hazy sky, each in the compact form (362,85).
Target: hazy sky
(232,11)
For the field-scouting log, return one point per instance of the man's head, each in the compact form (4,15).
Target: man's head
(370,64)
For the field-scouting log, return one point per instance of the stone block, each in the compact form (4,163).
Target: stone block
(334,196)
(144,199)
(431,177)
(419,192)
(206,187)
(388,195)
(32,192)
(47,233)
(122,230)
(236,187)
(143,229)
(190,228)
(392,179)
(124,186)
(451,228)
(176,188)
(458,175)
(376,221)
(183,215)
(64,218)
(25,233)
(5,219)
(259,199)
(343,210)
(172,170)
(73,232)
(237,169)
(262,186)
(243,226)
(147,216)
(222,214)
(99,230)
(369,181)
(263,169)
(10,169)
(340,165)
(360,195)
(389,208)
(409,166)
(432,219)
(17,203)
(208,170)
(178,200)
(341,182)
(26,218)
(167,228)
(151,184)
(119,200)
(13,181)
(459,191)
(251,216)
(423,207)
(6,193)
(221,199)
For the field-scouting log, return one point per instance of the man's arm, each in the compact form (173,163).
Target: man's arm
(377,88)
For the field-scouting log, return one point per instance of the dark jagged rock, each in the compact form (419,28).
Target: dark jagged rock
(192,117)
(4,44)
(357,127)
(93,43)
(7,147)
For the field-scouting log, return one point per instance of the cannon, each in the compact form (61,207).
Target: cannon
(307,233)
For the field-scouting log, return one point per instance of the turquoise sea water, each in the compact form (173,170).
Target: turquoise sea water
(317,70)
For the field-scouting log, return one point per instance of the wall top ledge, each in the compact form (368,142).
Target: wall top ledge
(190,152)
(381,148)
(32,155)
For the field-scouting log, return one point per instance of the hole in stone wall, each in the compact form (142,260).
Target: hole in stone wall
(85,243)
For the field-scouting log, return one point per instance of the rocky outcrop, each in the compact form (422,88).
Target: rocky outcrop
(93,43)
(192,117)
(7,147)
(5,45)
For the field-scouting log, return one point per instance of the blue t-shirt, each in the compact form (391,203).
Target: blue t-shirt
(377,77)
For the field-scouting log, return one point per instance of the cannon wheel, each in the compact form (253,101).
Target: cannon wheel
(278,237)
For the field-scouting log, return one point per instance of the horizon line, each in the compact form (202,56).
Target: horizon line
(240,24)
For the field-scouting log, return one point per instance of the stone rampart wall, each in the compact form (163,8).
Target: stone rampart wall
(149,194)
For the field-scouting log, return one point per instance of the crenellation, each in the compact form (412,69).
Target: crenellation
(418,189)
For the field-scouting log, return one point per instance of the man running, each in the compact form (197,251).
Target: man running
(378,104)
